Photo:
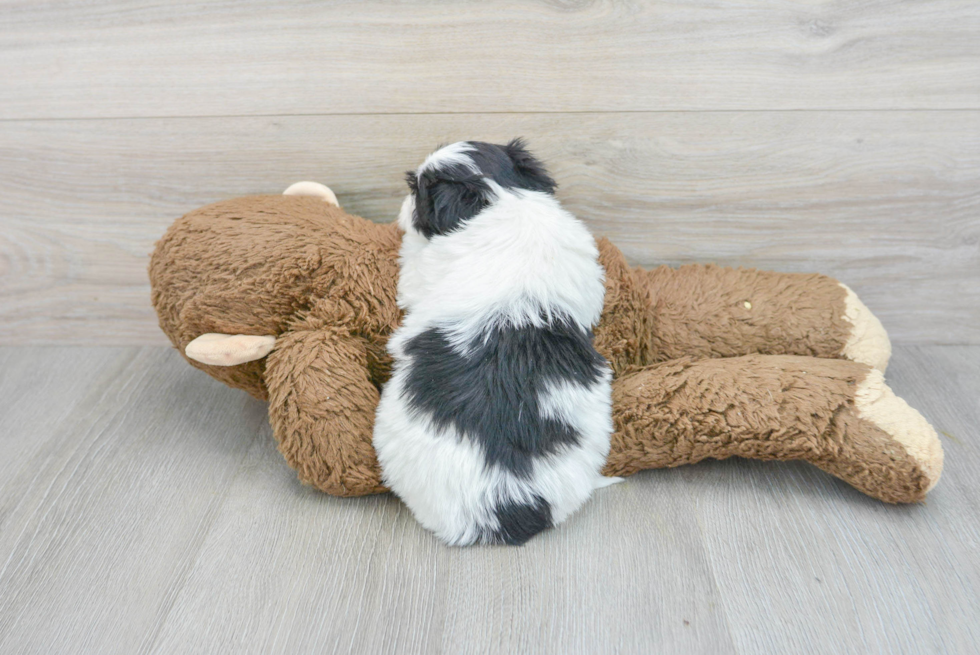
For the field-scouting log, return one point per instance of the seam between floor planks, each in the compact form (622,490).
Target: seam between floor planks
(174,590)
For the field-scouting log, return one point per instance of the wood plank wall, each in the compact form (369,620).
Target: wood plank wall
(826,136)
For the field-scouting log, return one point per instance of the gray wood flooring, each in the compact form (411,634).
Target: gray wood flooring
(838,137)
(888,202)
(145,509)
(140,58)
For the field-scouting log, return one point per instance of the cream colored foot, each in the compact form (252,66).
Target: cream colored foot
(875,402)
(229,349)
(312,189)
(868,343)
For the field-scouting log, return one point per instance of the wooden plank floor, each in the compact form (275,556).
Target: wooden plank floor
(888,202)
(145,509)
(842,138)
(143,506)
(125,58)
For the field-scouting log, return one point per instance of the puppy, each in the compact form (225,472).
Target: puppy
(496,420)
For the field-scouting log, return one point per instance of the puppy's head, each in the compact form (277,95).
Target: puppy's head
(456,182)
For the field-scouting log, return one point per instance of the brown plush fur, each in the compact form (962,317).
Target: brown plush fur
(785,407)
(709,362)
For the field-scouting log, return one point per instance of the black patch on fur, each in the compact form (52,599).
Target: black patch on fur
(511,166)
(446,196)
(491,393)
(520,522)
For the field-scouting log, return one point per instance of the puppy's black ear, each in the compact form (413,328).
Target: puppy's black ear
(529,168)
(444,200)
(412,181)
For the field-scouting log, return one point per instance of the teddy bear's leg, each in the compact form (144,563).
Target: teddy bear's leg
(710,311)
(321,406)
(836,414)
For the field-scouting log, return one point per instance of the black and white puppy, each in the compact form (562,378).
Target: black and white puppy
(496,421)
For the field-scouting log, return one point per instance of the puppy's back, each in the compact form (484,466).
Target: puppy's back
(496,421)
(499,390)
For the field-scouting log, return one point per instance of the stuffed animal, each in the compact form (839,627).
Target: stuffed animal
(292,299)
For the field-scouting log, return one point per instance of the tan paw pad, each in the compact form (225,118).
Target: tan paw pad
(875,402)
(229,349)
(868,343)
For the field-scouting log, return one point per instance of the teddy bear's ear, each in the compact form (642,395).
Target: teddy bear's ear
(312,189)
(529,168)
(445,198)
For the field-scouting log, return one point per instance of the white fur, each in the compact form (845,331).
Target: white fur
(521,255)
(446,482)
(454,153)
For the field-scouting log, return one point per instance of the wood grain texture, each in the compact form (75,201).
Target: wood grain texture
(137,58)
(887,202)
(150,512)
(99,449)
(143,506)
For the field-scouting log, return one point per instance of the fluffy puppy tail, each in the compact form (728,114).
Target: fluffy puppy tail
(519,521)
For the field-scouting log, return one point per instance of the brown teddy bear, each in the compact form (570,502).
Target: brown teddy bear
(292,300)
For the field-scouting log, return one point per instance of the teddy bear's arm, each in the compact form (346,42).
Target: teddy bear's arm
(321,406)
(711,311)
(836,414)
